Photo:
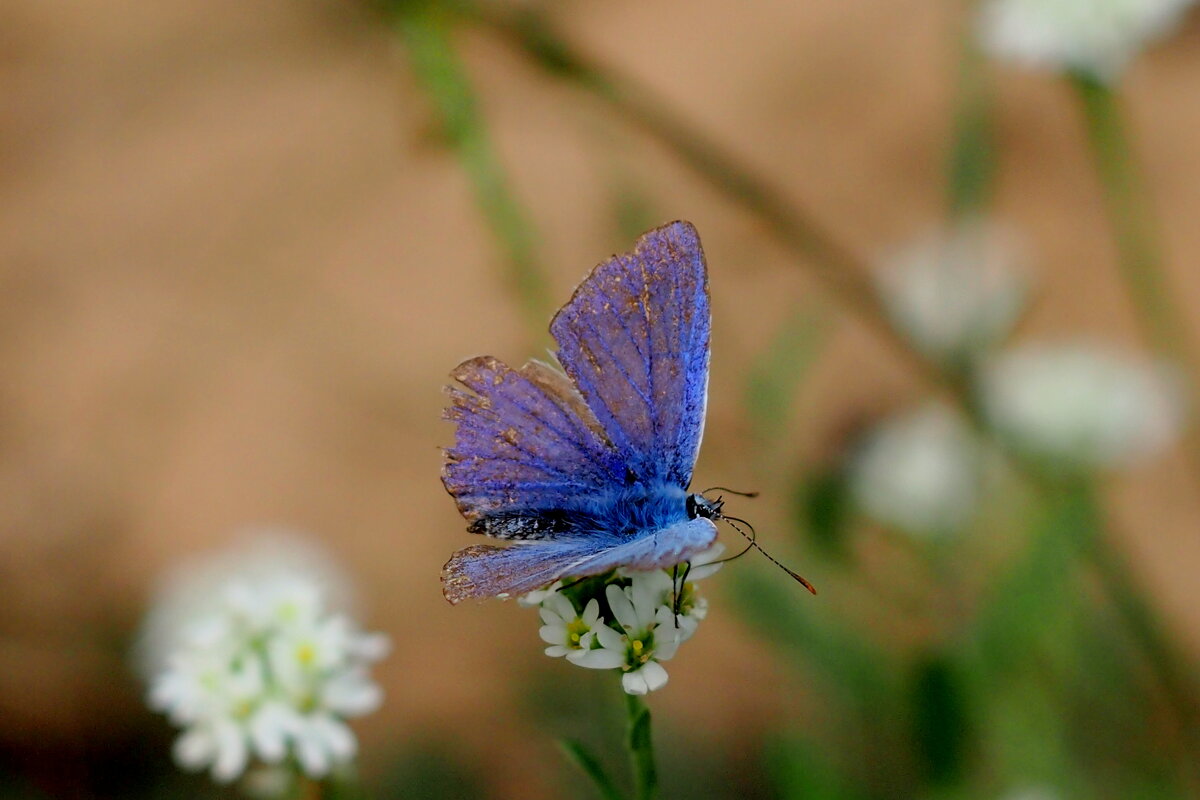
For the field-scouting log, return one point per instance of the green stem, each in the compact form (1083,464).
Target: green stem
(1140,260)
(1170,671)
(641,749)
(344,784)
(583,758)
(972,164)
(426,35)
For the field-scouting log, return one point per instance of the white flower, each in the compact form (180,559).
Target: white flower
(574,635)
(706,563)
(653,613)
(537,597)
(1096,37)
(956,292)
(262,557)
(650,631)
(1081,407)
(261,670)
(918,472)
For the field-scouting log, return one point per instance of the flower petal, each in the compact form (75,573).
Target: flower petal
(622,607)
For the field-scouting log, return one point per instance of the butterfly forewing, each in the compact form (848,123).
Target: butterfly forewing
(635,340)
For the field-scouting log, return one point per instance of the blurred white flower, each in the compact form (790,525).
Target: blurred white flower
(919,472)
(1095,37)
(193,588)
(1033,793)
(258,668)
(955,292)
(1081,407)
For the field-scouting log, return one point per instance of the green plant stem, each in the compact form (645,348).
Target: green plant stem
(589,765)
(972,165)
(641,749)
(426,35)
(1174,681)
(1139,258)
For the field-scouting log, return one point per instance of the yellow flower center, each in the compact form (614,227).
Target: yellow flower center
(576,629)
(306,654)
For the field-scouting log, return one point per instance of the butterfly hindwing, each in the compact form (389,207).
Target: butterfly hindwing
(488,571)
(634,338)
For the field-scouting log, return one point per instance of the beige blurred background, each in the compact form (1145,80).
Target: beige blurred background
(236,267)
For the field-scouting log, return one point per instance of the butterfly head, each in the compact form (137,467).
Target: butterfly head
(700,506)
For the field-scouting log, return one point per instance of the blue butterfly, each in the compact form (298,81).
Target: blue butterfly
(588,471)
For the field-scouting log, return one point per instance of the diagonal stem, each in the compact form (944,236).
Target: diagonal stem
(1140,260)
(426,34)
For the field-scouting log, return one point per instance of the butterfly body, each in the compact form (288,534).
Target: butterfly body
(587,469)
(626,512)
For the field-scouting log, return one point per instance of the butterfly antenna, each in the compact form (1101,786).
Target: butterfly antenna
(741,553)
(677,583)
(731,491)
(754,544)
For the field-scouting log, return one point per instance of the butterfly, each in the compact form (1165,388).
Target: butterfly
(585,470)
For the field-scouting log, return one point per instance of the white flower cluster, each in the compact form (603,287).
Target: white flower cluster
(1094,37)
(956,292)
(919,472)
(1079,407)
(261,671)
(631,621)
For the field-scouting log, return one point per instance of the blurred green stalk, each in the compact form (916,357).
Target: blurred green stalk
(426,34)
(589,765)
(641,749)
(1169,668)
(1140,260)
(971,167)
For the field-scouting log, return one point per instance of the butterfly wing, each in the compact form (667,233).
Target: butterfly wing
(525,440)
(634,339)
(488,571)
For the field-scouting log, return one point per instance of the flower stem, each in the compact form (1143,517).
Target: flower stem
(971,166)
(1175,681)
(641,749)
(1140,260)
(427,38)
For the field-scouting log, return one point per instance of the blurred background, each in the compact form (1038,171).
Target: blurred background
(242,244)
